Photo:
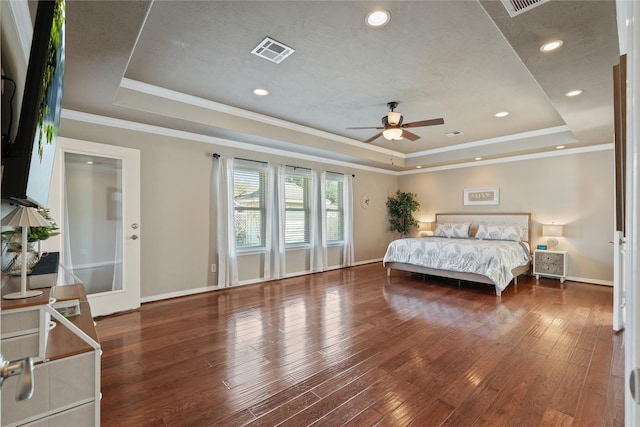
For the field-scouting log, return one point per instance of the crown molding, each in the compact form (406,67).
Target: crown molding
(496,140)
(157,130)
(79,116)
(555,153)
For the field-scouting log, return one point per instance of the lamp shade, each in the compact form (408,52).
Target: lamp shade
(392,134)
(552,230)
(393,118)
(425,228)
(24,216)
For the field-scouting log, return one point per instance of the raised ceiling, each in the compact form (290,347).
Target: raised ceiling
(187,66)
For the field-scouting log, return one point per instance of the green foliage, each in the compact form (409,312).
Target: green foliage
(47,130)
(331,192)
(401,209)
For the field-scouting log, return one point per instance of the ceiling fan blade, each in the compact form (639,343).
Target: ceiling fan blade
(431,122)
(373,138)
(368,127)
(409,135)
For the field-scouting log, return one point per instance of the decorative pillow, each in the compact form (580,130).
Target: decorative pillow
(500,232)
(458,229)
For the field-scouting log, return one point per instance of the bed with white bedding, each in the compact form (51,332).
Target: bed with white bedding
(483,248)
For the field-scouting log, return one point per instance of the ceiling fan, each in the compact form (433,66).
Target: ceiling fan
(394,130)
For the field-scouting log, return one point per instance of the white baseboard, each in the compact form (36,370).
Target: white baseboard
(369,261)
(177,294)
(590,281)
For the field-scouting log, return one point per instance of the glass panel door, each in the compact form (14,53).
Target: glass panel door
(93,221)
(97,203)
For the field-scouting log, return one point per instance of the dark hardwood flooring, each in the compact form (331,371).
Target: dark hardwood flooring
(351,347)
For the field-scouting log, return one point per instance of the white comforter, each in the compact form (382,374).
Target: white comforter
(491,258)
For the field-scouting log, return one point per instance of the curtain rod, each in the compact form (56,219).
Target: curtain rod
(217,156)
(353,175)
(251,160)
(298,167)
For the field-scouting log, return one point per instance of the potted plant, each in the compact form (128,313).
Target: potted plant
(401,209)
(12,243)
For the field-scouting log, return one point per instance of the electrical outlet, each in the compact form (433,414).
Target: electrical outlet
(213,268)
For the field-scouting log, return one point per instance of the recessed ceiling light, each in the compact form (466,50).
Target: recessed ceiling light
(378,18)
(548,47)
(89,162)
(478,158)
(559,147)
(502,114)
(260,92)
(574,93)
(418,167)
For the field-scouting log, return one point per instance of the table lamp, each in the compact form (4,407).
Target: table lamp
(552,231)
(426,228)
(24,217)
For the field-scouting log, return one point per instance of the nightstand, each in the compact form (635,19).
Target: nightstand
(550,264)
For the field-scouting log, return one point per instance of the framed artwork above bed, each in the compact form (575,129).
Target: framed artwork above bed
(481,196)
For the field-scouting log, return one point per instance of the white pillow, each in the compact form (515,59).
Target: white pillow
(500,232)
(457,229)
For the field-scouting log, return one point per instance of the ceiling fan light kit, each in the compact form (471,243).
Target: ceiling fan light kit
(392,134)
(394,118)
(393,128)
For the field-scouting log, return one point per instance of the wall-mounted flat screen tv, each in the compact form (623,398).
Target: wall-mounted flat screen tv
(27,168)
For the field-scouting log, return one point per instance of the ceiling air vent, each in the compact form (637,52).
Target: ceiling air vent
(272,50)
(516,7)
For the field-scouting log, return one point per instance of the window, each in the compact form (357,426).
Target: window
(334,207)
(249,205)
(297,211)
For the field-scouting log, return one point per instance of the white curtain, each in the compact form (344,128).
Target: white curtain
(225,227)
(275,248)
(348,258)
(317,238)
(69,276)
(116,283)
(275,256)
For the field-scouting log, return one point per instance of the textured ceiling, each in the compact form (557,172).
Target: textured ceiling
(187,66)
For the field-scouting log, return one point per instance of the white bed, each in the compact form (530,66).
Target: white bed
(492,260)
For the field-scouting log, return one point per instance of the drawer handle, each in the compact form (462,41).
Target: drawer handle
(22,367)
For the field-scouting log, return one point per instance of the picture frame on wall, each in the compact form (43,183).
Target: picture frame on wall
(482,196)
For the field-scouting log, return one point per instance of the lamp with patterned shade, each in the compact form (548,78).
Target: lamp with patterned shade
(24,217)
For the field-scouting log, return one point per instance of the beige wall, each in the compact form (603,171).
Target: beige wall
(178,242)
(371,225)
(576,190)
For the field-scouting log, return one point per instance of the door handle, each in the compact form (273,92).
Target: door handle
(22,367)
(633,385)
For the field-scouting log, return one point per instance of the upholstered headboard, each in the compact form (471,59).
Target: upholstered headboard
(521,219)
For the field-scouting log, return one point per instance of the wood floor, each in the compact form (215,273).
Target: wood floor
(351,347)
